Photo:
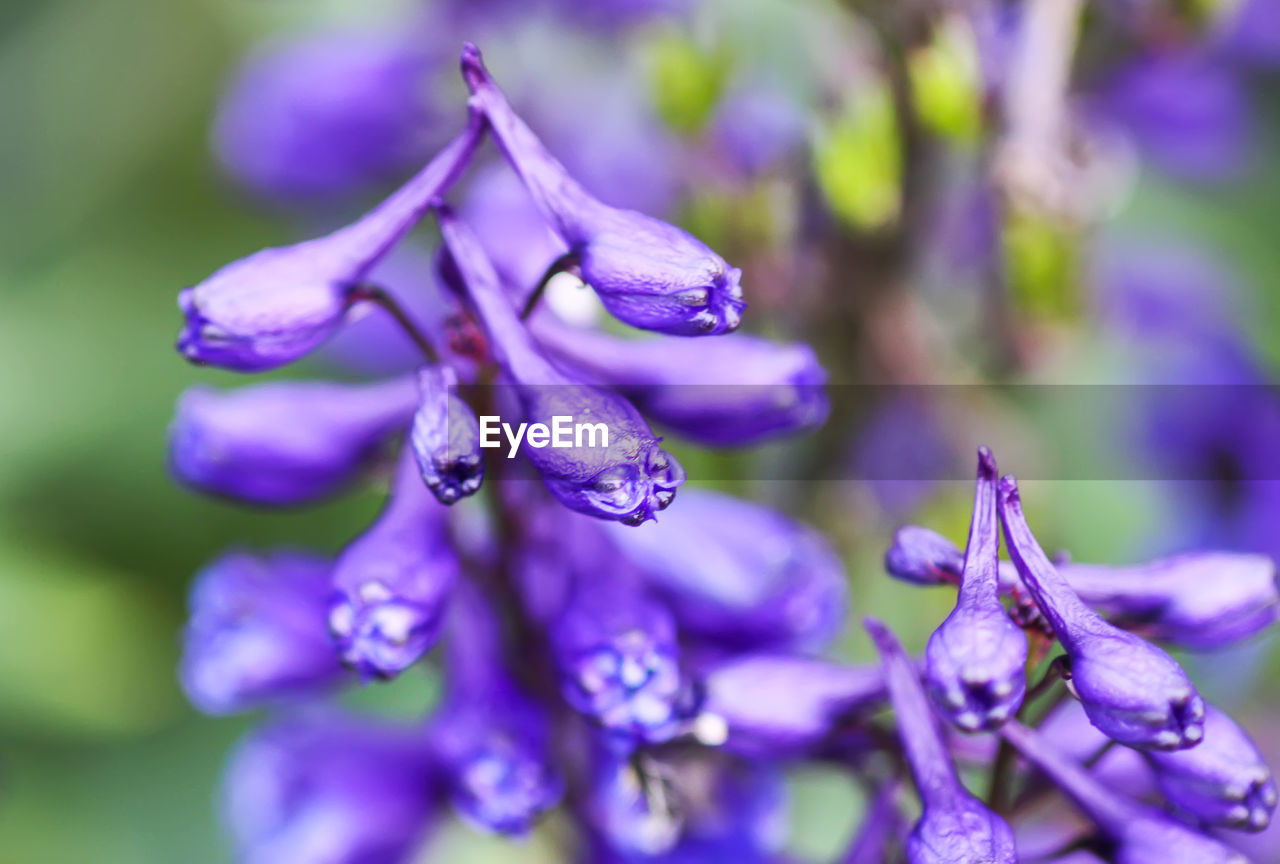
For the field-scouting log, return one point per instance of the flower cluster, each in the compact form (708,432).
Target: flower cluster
(592,662)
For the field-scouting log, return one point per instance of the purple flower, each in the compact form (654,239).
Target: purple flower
(757,127)
(1252,34)
(1189,113)
(1223,781)
(278,304)
(922,556)
(1141,834)
(648,273)
(741,573)
(393,582)
(329,791)
(492,738)
(445,437)
(977,658)
(770,706)
(283,443)
(734,391)
(618,656)
(326,114)
(626,476)
(954,826)
(697,807)
(1131,690)
(510,227)
(257,632)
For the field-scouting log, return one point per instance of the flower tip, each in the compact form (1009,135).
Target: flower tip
(472,63)
(1009,490)
(986,464)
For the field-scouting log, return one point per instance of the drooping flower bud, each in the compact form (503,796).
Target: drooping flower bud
(445,437)
(741,573)
(923,557)
(257,632)
(772,706)
(393,582)
(954,827)
(326,115)
(283,443)
(618,657)
(1223,781)
(494,740)
(1132,691)
(648,273)
(278,304)
(1141,834)
(976,659)
(332,790)
(619,472)
(730,392)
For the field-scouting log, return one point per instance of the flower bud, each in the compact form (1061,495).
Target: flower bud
(278,304)
(954,827)
(257,632)
(648,273)
(445,437)
(283,443)
(976,659)
(392,583)
(923,557)
(741,573)
(775,705)
(332,790)
(1140,834)
(1223,781)
(620,475)
(1132,691)
(730,392)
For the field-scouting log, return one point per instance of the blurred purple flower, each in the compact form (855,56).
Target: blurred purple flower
(445,437)
(283,443)
(257,633)
(328,114)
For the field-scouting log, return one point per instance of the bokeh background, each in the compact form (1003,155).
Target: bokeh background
(111,200)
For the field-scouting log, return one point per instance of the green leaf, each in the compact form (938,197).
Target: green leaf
(687,81)
(858,161)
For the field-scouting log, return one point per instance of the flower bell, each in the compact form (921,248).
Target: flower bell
(391,584)
(976,660)
(445,437)
(1132,691)
(730,392)
(257,633)
(648,273)
(620,473)
(278,304)
(741,573)
(284,442)
(954,827)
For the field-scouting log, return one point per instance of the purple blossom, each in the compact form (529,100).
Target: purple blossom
(954,827)
(1131,690)
(977,658)
(330,791)
(445,437)
(648,273)
(283,443)
(922,556)
(278,304)
(630,477)
(778,705)
(757,127)
(510,227)
(326,115)
(391,585)
(1141,834)
(741,573)
(618,656)
(1223,781)
(734,391)
(257,632)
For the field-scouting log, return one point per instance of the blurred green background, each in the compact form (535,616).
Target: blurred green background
(109,204)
